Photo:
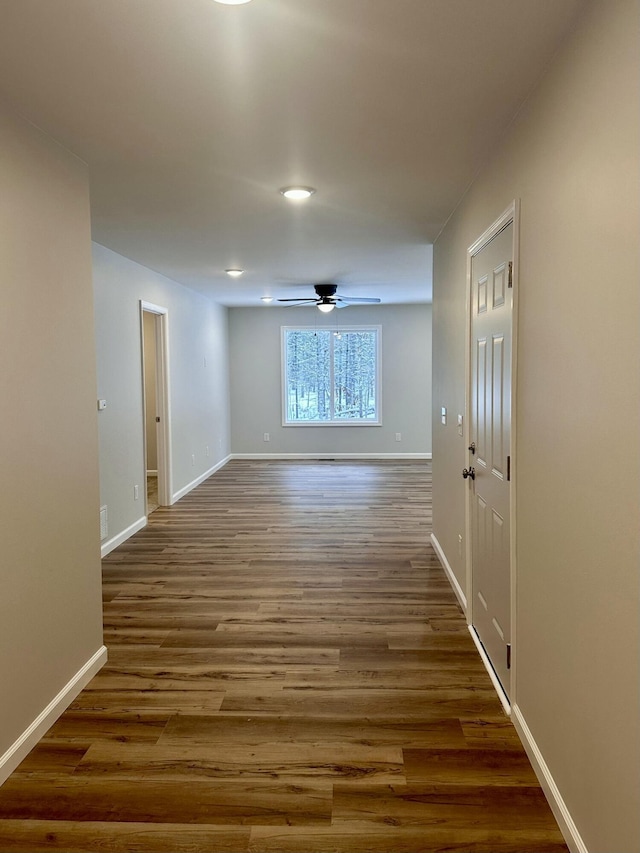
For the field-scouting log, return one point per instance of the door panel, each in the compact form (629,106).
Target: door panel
(490,429)
(498,456)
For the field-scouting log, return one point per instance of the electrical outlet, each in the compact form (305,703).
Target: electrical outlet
(443,415)
(136,493)
(193,458)
(460,424)
(266,436)
(398,436)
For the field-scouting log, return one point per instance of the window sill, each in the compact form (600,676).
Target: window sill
(334,424)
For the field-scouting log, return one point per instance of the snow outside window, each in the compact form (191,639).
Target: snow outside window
(331,376)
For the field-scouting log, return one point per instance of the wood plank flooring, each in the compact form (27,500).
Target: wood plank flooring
(288,670)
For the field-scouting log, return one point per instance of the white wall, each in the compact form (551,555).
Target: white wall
(50,582)
(256,382)
(572,158)
(198,376)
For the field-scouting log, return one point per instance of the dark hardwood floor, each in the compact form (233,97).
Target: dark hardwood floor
(288,670)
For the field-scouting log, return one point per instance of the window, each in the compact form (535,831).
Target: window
(331,376)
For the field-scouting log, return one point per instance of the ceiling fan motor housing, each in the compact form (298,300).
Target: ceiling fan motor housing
(324,290)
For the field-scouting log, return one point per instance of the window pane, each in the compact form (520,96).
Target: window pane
(331,375)
(308,375)
(355,375)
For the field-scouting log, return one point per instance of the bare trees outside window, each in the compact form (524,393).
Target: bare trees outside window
(331,375)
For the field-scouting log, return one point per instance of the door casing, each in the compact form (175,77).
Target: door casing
(510,215)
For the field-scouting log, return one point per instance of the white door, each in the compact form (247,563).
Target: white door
(490,451)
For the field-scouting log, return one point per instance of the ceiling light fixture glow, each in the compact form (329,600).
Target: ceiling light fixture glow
(297,193)
(325,307)
(266,298)
(232,2)
(234,273)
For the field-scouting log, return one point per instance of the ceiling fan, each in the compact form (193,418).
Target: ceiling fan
(326,298)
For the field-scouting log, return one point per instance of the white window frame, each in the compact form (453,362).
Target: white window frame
(332,423)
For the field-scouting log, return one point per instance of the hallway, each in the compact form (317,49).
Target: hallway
(289,670)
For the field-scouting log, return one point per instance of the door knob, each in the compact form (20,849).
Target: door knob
(472,447)
(469,472)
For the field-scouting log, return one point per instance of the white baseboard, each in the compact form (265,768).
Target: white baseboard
(18,751)
(453,580)
(110,544)
(192,485)
(548,785)
(320,456)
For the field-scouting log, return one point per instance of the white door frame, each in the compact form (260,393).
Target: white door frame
(163,399)
(510,215)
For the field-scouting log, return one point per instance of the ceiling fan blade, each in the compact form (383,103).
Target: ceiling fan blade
(370,299)
(297,300)
(339,303)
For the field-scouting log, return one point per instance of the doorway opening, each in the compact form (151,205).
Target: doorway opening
(156,411)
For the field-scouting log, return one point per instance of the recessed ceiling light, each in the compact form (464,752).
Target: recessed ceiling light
(267,298)
(234,273)
(233,2)
(297,193)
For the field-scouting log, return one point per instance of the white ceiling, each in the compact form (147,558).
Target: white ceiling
(191,115)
